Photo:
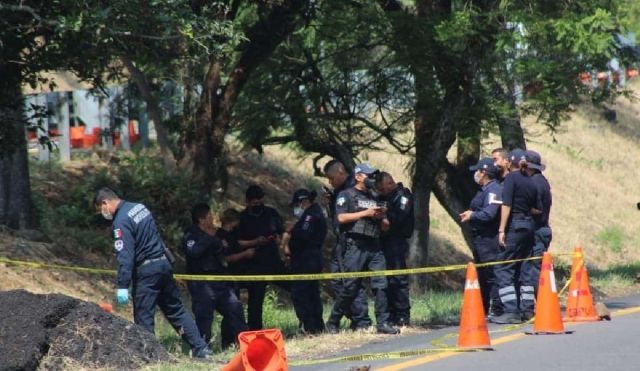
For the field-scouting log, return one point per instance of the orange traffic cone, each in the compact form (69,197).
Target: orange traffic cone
(261,350)
(473,325)
(548,319)
(580,302)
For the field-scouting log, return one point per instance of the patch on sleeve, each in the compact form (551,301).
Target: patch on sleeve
(308,218)
(117,233)
(492,198)
(404,200)
(341,201)
(119,245)
(190,243)
(305,226)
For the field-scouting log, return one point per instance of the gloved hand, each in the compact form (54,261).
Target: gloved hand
(123,296)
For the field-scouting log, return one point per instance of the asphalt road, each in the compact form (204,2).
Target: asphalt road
(606,345)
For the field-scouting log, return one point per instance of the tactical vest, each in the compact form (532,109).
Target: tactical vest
(367,227)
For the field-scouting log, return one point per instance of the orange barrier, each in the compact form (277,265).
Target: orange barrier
(261,350)
(76,135)
(580,302)
(473,324)
(548,319)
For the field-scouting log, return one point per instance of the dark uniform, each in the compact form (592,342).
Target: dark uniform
(542,235)
(267,260)
(359,311)
(141,259)
(305,244)
(205,256)
(484,224)
(522,195)
(395,246)
(227,333)
(363,252)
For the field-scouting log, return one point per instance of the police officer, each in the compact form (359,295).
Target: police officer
(303,249)
(206,256)
(142,262)
(519,200)
(361,221)
(340,180)
(236,257)
(484,220)
(501,158)
(542,235)
(260,227)
(395,246)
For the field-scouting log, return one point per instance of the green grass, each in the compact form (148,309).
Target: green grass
(615,276)
(430,309)
(612,236)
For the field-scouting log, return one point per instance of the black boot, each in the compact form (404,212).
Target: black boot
(386,328)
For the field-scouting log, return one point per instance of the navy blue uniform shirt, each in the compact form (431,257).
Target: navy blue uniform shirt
(521,193)
(136,239)
(268,224)
(231,247)
(349,182)
(203,251)
(486,210)
(544,190)
(309,231)
(400,212)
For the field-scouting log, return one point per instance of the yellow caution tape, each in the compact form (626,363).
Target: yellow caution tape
(280,277)
(383,356)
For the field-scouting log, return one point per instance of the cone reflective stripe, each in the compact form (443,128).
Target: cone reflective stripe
(473,325)
(548,319)
(580,301)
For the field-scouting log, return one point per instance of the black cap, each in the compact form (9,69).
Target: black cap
(534,160)
(299,195)
(487,164)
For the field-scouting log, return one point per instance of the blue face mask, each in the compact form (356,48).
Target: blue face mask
(476,177)
(298,211)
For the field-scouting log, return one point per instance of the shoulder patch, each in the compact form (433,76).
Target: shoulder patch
(190,243)
(340,201)
(404,200)
(117,233)
(492,198)
(119,245)
(308,218)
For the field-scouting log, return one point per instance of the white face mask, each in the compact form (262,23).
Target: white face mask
(106,214)
(476,177)
(298,211)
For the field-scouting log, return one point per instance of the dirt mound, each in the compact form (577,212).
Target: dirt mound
(51,331)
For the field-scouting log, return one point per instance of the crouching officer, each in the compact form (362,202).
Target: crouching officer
(206,256)
(142,260)
(395,245)
(304,252)
(484,221)
(360,220)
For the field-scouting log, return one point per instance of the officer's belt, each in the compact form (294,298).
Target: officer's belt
(152,260)
(519,215)
(359,237)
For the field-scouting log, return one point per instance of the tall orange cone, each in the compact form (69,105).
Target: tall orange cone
(235,364)
(580,302)
(473,325)
(548,319)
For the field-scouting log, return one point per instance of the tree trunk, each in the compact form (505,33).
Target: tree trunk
(204,140)
(16,209)
(154,112)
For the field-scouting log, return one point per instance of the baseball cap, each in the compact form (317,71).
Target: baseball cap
(486,164)
(516,155)
(534,160)
(299,195)
(364,168)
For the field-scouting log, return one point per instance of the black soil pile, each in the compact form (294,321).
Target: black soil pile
(55,332)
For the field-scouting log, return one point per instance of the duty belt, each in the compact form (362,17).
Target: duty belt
(152,260)
(519,215)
